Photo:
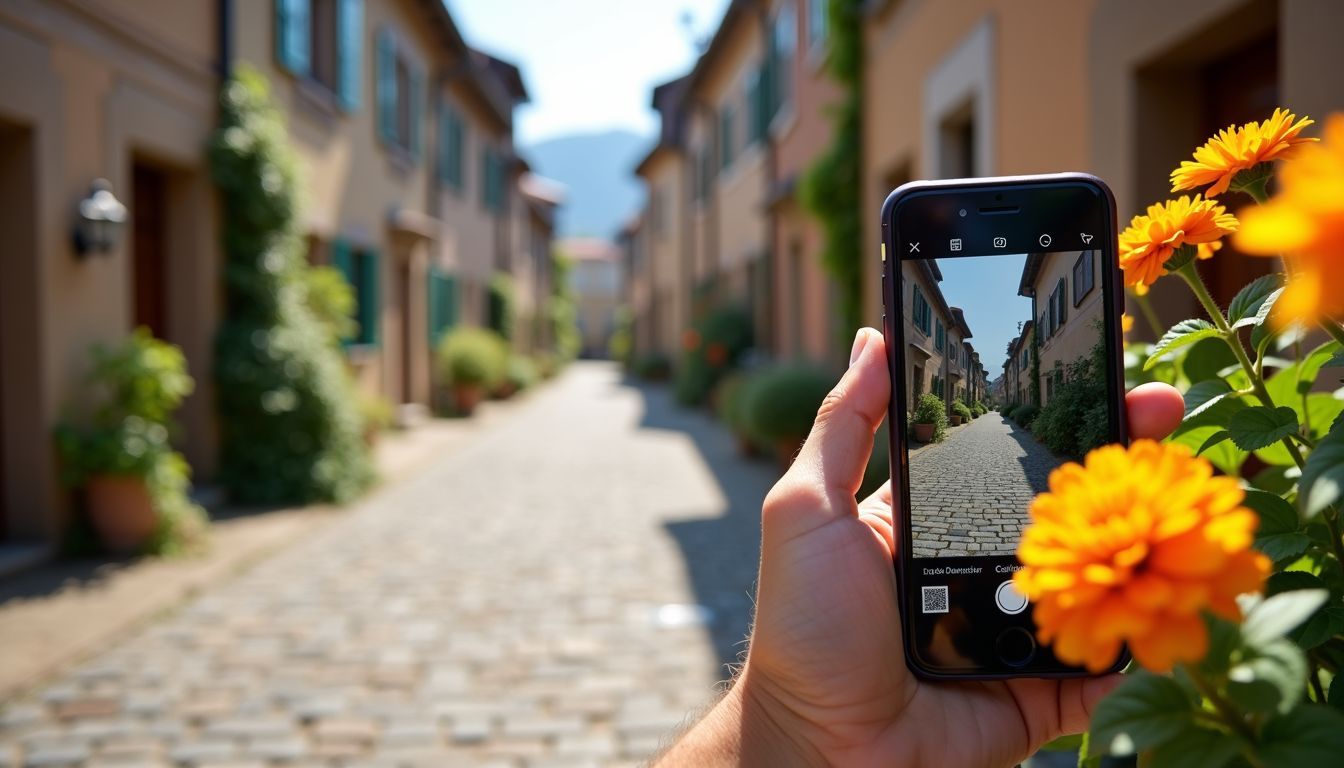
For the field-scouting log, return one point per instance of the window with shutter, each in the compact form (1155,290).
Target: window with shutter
(386,73)
(292,31)
(415,97)
(725,137)
(450,146)
(367,296)
(350,41)
(1062,296)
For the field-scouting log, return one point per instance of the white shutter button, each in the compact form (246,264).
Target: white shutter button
(1010,601)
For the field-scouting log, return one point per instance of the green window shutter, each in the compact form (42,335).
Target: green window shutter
(416,83)
(1063,301)
(343,261)
(350,65)
(443,140)
(293,46)
(725,138)
(485,177)
(450,146)
(370,298)
(386,73)
(457,151)
(432,306)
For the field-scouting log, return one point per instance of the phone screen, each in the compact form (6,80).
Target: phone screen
(1000,321)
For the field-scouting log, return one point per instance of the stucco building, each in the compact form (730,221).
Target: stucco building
(1065,292)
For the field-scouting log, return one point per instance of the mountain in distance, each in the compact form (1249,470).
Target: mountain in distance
(598,171)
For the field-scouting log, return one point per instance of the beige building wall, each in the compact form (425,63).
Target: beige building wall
(923,360)
(361,190)
(98,90)
(664,236)
(1066,342)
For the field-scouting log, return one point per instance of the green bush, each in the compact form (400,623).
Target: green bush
(548,364)
(562,313)
(288,413)
(331,299)
(930,409)
(781,402)
(621,345)
(1007,411)
(978,409)
(469,356)
(522,373)
(1026,415)
(654,366)
(731,399)
(961,410)
(136,387)
(1075,420)
(709,351)
(501,305)
(377,412)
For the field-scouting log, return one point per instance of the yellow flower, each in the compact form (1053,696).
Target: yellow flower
(1240,149)
(1205,251)
(1152,238)
(1305,222)
(1130,547)
(1126,323)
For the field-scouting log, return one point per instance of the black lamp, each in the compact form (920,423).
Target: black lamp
(99,220)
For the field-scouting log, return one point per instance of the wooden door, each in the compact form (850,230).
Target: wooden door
(149,258)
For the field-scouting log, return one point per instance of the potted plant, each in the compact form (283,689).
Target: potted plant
(134,483)
(731,398)
(960,413)
(781,403)
(520,373)
(929,418)
(472,361)
(378,414)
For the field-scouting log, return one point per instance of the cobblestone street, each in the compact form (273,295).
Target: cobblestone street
(970,493)
(523,601)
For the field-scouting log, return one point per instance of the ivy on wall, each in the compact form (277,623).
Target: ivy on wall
(289,418)
(832,187)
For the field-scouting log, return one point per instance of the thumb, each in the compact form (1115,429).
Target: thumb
(836,453)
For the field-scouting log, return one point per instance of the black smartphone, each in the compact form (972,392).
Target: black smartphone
(1000,295)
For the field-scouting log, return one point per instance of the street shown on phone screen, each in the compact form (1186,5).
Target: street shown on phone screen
(1004,380)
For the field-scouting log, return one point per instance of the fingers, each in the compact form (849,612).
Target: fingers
(824,478)
(1155,410)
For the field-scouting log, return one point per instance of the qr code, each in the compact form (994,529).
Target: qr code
(934,599)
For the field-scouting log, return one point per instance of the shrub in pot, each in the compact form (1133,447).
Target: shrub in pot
(961,412)
(1026,414)
(781,404)
(731,399)
(378,415)
(472,361)
(519,374)
(929,419)
(710,349)
(135,485)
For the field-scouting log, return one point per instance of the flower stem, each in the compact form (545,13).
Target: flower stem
(1332,328)
(1196,283)
(1146,308)
(1228,715)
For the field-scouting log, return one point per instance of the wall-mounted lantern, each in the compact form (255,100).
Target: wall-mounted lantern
(99,220)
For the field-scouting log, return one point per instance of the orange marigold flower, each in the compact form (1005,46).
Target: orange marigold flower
(1126,323)
(1130,547)
(690,339)
(1152,238)
(1235,150)
(1305,222)
(1205,251)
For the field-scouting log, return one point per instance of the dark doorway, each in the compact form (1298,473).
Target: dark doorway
(149,259)
(1240,87)
(19,384)
(404,344)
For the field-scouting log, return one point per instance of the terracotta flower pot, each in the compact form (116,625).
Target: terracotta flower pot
(121,511)
(466,397)
(956,420)
(924,433)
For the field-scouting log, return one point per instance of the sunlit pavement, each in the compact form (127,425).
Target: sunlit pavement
(528,600)
(969,493)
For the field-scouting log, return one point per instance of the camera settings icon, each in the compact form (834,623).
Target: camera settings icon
(1000,242)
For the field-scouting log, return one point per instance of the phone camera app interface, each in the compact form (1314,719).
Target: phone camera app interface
(999,350)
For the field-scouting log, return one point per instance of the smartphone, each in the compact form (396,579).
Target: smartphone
(1000,295)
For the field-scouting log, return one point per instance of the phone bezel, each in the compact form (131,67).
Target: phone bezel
(955,194)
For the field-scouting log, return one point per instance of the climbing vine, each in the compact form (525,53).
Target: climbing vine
(832,187)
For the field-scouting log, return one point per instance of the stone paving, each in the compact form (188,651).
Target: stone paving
(969,494)
(528,600)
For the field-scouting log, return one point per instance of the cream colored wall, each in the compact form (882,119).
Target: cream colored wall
(739,187)
(97,89)
(1077,336)
(915,338)
(665,249)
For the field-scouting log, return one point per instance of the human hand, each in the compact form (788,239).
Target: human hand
(825,680)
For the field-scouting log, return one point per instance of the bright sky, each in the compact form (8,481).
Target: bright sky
(589,65)
(985,287)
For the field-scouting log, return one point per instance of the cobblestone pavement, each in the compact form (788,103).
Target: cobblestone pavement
(506,607)
(969,494)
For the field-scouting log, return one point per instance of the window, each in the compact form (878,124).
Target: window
(921,313)
(783,45)
(758,105)
(725,136)
(1083,276)
(1062,299)
(452,147)
(360,268)
(939,336)
(704,174)
(322,41)
(1043,327)
(401,90)
(656,203)
(818,21)
(443,306)
(492,180)
(1024,361)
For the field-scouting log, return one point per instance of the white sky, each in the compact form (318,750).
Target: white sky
(589,65)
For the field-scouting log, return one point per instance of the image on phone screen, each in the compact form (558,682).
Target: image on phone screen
(1014,332)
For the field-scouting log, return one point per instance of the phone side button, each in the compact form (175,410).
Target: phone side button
(1015,647)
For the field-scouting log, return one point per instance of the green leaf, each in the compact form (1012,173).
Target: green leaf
(1181,334)
(1146,710)
(1271,679)
(1224,639)
(1275,616)
(1277,479)
(1287,386)
(1225,456)
(1085,758)
(1260,426)
(1195,747)
(1066,743)
(1206,359)
(1241,312)
(1279,535)
(1266,306)
(1204,395)
(1323,625)
(1214,439)
(1308,736)
(1283,547)
(1336,693)
(1323,476)
(1288,581)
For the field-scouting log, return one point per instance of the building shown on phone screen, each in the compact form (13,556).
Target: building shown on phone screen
(1066,298)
